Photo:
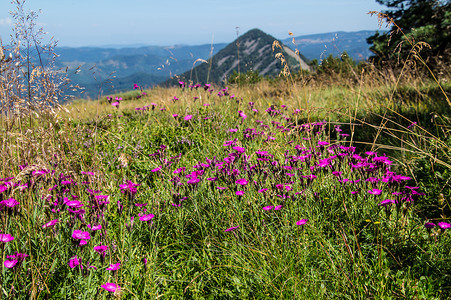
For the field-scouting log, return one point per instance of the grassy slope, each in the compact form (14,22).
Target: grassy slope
(350,248)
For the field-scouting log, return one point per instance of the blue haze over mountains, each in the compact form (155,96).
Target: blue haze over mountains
(106,70)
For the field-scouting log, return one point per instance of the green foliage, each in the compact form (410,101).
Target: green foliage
(414,21)
(250,77)
(343,65)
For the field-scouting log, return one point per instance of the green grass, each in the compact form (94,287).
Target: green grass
(350,248)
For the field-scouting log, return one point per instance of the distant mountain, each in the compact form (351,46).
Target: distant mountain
(252,51)
(97,66)
(320,46)
(147,66)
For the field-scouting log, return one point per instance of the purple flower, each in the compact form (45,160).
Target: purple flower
(187,117)
(231,228)
(412,125)
(239,149)
(239,193)
(443,225)
(80,235)
(111,287)
(269,207)
(114,267)
(278,207)
(302,222)
(262,190)
(429,225)
(221,188)
(5,237)
(50,223)
(386,202)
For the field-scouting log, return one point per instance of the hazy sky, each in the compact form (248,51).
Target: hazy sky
(106,22)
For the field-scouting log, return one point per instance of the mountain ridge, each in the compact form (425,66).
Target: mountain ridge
(255,50)
(158,63)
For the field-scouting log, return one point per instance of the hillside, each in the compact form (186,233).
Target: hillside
(252,51)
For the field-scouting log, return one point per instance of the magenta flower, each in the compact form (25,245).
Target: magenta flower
(5,237)
(74,261)
(11,202)
(129,187)
(80,235)
(74,204)
(10,263)
(115,104)
(157,169)
(241,181)
(269,207)
(302,222)
(375,192)
(114,267)
(278,207)
(443,225)
(87,173)
(111,287)
(100,249)
(50,223)
(231,228)
(103,198)
(187,117)
(193,180)
(386,202)
(262,190)
(14,259)
(239,149)
(221,188)
(239,193)
(94,227)
(146,217)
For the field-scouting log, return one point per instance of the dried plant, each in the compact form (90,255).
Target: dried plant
(29,79)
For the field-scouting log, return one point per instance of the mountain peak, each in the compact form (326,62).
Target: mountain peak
(251,51)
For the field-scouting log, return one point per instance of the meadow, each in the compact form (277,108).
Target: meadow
(306,187)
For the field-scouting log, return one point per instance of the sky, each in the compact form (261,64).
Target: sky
(191,22)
